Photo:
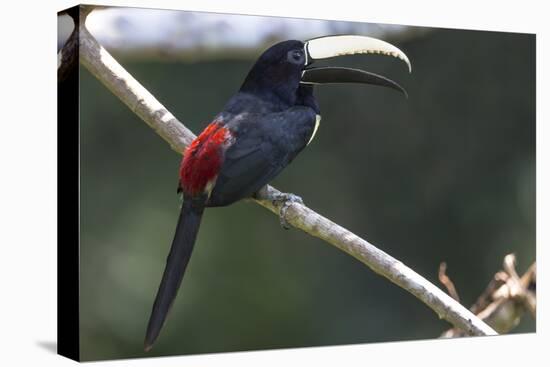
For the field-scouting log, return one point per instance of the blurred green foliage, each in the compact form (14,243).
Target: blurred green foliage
(447,175)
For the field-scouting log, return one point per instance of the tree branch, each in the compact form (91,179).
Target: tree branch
(506,299)
(106,69)
(67,57)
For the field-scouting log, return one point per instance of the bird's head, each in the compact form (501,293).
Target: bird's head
(285,71)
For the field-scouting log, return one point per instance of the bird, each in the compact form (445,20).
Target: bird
(261,129)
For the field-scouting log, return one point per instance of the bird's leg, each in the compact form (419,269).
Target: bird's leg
(278,198)
(286,199)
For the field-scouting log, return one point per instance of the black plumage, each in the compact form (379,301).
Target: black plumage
(259,132)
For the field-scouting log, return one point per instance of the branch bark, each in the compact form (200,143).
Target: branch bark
(67,57)
(107,70)
(505,300)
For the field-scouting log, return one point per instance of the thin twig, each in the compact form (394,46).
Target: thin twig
(447,282)
(505,300)
(105,68)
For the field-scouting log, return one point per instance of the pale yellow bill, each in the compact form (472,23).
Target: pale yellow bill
(332,46)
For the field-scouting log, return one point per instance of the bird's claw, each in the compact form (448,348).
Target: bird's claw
(286,199)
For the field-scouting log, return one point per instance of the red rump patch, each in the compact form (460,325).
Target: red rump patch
(203,158)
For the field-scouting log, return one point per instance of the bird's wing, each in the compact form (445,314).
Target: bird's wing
(264,146)
(243,176)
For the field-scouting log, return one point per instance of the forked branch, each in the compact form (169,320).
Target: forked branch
(505,300)
(107,70)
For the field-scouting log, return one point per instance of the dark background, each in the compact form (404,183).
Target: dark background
(447,175)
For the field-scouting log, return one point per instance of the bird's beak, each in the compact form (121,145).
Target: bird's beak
(333,46)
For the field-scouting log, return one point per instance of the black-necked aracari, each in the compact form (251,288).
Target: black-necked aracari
(261,129)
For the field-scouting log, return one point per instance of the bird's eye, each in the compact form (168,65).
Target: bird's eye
(296,56)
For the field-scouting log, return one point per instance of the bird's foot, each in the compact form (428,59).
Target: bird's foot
(278,198)
(285,199)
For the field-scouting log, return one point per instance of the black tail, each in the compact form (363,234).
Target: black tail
(180,252)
